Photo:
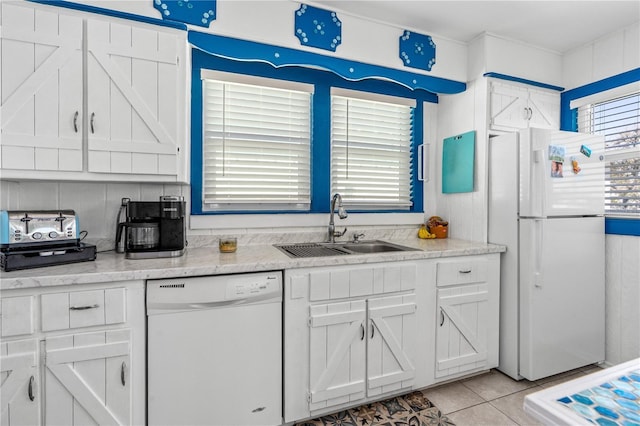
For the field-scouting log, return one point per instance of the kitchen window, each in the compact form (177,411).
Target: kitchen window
(266,144)
(256,143)
(371,150)
(618,119)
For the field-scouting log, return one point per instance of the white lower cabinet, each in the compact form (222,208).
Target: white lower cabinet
(87,378)
(467,315)
(352,334)
(84,364)
(19,374)
(361,349)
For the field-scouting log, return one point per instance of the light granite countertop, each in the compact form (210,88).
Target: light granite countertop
(111,267)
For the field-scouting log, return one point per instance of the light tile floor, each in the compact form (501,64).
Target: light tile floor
(492,398)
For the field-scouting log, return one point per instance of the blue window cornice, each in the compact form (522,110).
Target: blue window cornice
(242,50)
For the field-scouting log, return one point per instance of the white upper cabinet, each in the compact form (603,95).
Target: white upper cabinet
(515,106)
(134,77)
(41,89)
(91,98)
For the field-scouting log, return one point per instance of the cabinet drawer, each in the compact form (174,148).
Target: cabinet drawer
(61,311)
(461,272)
(16,316)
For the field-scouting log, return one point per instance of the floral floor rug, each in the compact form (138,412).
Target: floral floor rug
(412,409)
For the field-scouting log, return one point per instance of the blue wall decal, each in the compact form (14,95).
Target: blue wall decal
(196,12)
(417,50)
(318,28)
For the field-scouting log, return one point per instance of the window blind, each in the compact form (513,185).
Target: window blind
(256,147)
(619,121)
(371,158)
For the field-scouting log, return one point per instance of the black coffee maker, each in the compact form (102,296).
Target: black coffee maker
(152,228)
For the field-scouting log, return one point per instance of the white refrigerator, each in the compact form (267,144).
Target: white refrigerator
(546,205)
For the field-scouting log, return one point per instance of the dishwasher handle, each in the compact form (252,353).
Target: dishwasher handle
(164,307)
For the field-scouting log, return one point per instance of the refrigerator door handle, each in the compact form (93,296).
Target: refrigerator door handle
(538,156)
(537,253)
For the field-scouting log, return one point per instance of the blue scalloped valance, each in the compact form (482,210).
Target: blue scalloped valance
(276,56)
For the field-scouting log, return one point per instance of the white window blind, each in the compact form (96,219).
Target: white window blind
(371,153)
(256,147)
(619,121)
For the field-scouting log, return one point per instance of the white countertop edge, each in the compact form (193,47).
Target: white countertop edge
(112,267)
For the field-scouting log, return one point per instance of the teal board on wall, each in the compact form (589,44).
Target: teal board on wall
(458,159)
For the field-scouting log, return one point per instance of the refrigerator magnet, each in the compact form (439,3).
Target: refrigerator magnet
(556,155)
(575,166)
(585,151)
(556,169)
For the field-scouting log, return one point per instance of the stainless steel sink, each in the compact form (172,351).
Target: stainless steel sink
(340,249)
(373,247)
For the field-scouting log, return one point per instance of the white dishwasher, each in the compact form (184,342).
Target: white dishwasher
(214,350)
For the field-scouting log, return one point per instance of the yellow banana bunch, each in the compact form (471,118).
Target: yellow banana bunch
(424,233)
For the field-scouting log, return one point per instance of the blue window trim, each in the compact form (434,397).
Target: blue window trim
(323,81)
(568,117)
(523,80)
(112,13)
(569,122)
(622,226)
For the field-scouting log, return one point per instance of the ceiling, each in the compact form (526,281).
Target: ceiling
(556,25)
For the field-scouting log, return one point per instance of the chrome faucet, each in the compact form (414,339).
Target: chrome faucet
(342,214)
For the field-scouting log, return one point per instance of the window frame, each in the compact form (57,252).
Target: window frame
(323,82)
(349,95)
(600,90)
(225,78)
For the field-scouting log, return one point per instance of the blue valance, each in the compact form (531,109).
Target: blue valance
(242,50)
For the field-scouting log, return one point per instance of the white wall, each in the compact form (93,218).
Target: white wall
(622,298)
(272,22)
(466,212)
(493,53)
(607,56)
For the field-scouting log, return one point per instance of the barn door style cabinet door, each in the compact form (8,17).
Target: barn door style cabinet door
(87,378)
(362,336)
(132,75)
(19,374)
(467,316)
(517,106)
(361,349)
(67,356)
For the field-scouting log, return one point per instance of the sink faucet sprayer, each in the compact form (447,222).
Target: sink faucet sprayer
(342,214)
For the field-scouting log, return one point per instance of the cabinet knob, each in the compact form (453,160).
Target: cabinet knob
(75,122)
(93,116)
